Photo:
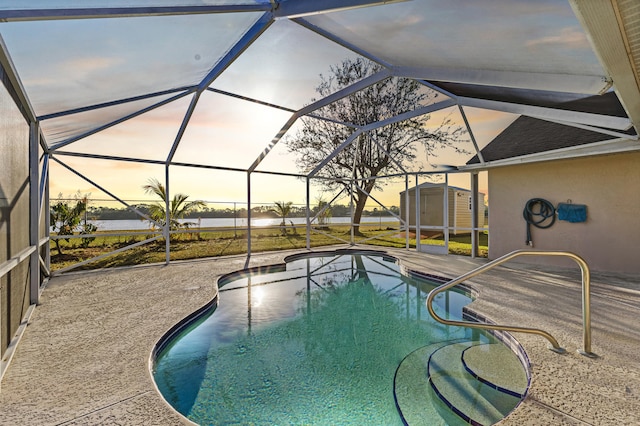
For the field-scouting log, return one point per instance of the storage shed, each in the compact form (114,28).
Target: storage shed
(432,201)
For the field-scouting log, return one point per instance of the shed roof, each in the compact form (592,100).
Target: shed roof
(440,185)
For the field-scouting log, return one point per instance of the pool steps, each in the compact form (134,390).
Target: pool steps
(450,377)
(506,376)
(464,386)
(477,402)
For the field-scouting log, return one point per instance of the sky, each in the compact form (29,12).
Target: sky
(69,64)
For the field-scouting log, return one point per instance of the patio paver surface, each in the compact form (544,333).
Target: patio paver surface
(84,358)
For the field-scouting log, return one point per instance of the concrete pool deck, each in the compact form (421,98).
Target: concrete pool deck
(84,358)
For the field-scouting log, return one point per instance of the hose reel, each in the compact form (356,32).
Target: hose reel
(539,213)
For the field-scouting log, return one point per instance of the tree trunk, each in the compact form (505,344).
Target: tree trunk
(361,270)
(361,200)
(57,242)
(357,214)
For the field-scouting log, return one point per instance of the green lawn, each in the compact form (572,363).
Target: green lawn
(222,242)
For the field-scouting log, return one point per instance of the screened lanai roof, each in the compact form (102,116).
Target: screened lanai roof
(175,81)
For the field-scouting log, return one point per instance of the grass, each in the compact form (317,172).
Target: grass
(223,242)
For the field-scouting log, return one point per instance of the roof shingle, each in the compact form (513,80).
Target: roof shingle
(528,135)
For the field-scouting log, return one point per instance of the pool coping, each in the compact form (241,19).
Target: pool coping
(166,339)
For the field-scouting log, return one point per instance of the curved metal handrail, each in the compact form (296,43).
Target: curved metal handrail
(586,299)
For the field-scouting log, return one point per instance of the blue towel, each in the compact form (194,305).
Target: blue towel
(572,212)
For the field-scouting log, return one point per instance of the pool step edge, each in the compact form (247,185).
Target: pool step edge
(474,401)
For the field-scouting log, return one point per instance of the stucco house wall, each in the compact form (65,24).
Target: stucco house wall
(607,184)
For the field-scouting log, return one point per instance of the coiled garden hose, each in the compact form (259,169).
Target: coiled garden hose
(536,212)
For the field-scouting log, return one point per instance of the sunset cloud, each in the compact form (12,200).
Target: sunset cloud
(571,37)
(84,65)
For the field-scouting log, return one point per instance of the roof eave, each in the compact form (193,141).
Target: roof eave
(604,23)
(612,146)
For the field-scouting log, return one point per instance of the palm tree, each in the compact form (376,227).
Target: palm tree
(282,209)
(178,207)
(323,212)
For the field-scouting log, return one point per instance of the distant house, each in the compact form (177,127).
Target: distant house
(432,209)
(534,158)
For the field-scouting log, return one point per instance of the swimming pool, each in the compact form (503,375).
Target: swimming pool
(336,338)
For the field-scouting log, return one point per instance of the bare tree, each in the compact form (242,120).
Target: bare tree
(377,152)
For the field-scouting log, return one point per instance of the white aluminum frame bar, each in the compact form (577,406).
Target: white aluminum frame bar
(393,160)
(384,234)
(299,8)
(183,127)
(185,90)
(101,188)
(34,212)
(275,106)
(248,214)
(597,130)
(117,121)
(102,256)
(406,210)
(317,231)
(566,83)
(173,163)
(342,146)
(21,15)
(352,193)
(105,234)
(47,220)
(474,216)
(372,126)
(280,10)
(13,343)
(471,135)
(44,173)
(308,212)
(437,89)
(167,217)
(238,48)
(417,212)
(446,212)
(12,74)
(410,114)
(378,202)
(328,204)
(248,99)
(9,264)
(608,121)
(247,39)
(339,41)
(359,85)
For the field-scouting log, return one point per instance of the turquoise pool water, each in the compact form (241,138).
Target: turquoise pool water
(315,341)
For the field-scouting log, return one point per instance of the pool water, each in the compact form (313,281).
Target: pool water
(317,341)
